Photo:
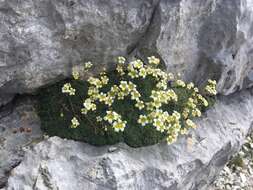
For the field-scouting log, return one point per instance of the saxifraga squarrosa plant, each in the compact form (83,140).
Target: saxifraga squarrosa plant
(137,103)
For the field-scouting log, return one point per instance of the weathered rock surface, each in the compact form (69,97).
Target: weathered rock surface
(238,173)
(40,40)
(14,135)
(205,39)
(189,164)
(5,99)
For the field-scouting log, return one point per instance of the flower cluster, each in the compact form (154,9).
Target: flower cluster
(74,123)
(75,73)
(154,110)
(87,65)
(67,89)
(115,119)
(153,60)
(211,87)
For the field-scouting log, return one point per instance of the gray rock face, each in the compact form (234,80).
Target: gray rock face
(205,39)
(189,164)
(40,40)
(5,98)
(15,126)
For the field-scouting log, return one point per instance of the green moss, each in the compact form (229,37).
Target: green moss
(237,161)
(56,111)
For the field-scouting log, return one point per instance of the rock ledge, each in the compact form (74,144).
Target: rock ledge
(189,164)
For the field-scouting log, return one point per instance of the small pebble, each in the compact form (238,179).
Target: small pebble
(21,129)
(28,130)
(234,177)
(112,149)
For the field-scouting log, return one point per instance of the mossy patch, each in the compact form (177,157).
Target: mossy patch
(56,111)
(168,106)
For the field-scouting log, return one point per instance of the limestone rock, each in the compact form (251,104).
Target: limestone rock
(189,164)
(5,99)
(15,126)
(205,39)
(40,41)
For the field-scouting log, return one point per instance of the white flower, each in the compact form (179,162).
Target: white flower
(74,123)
